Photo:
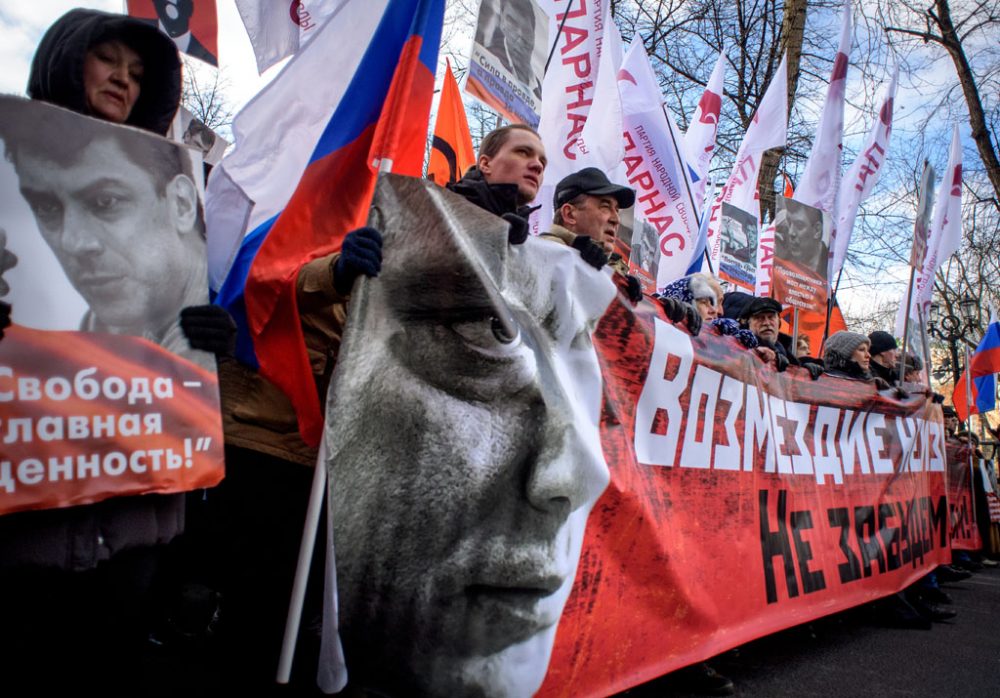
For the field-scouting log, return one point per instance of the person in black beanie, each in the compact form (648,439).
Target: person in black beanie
(885,356)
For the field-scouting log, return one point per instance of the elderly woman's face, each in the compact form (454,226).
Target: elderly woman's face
(112,73)
(707,308)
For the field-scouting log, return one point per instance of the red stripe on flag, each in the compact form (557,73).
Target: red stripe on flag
(331,199)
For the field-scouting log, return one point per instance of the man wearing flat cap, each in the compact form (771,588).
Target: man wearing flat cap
(762,316)
(586,205)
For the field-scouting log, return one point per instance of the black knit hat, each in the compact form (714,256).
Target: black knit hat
(881,341)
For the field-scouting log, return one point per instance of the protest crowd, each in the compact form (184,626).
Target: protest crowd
(517,342)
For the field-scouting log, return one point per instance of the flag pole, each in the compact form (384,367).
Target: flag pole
(687,185)
(830,302)
(317,495)
(906,322)
(555,43)
(926,346)
(795,331)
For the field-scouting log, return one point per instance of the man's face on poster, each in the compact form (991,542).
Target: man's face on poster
(803,234)
(517,22)
(117,238)
(464,465)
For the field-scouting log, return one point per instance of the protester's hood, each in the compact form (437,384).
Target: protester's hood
(57,68)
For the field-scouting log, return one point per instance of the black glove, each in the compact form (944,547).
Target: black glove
(518,231)
(360,254)
(634,288)
(592,253)
(900,393)
(679,311)
(815,370)
(780,362)
(209,328)
(4,317)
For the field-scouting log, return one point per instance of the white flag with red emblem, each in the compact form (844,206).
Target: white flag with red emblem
(860,179)
(699,141)
(767,130)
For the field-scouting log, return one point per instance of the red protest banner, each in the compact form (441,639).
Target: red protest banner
(538,488)
(742,502)
(88,416)
(961,499)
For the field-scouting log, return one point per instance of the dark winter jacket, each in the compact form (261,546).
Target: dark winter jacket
(889,375)
(498,199)
(78,538)
(57,68)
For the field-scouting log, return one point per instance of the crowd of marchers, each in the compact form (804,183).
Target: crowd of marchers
(98,585)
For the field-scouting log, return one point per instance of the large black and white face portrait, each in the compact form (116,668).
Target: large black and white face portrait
(464,454)
(118,210)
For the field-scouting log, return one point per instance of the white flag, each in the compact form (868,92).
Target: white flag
(946,226)
(861,178)
(568,90)
(655,169)
(820,180)
(699,141)
(279,28)
(600,143)
(767,130)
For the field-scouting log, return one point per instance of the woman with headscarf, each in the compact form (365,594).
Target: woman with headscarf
(78,580)
(705,293)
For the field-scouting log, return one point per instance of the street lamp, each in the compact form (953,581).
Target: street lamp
(952,329)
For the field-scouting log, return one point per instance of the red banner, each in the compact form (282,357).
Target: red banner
(537,487)
(742,502)
(961,499)
(87,416)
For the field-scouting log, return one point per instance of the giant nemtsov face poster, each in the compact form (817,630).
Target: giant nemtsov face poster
(102,243)
(508,58)
(537,488)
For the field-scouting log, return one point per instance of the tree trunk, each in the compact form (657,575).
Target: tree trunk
(792,30)
(941,14)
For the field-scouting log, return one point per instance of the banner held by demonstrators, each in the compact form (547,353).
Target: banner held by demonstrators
(804,474)
(801,255)
(103,395)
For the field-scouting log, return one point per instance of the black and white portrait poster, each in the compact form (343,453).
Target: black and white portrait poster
(464,453)
(738,256)
(801,255)
(102,244)
(508,58)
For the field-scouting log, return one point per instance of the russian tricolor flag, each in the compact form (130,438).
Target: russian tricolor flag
(372,67)
(983,367)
